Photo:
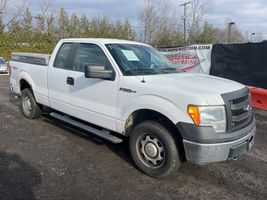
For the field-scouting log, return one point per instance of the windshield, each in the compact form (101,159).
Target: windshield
(134,59)
(2,61)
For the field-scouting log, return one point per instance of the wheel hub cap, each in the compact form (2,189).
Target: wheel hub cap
(151,150)
(27,104)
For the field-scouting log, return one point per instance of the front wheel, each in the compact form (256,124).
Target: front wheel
(154,149)
(29,107)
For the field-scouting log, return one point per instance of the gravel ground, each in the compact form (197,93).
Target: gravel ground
(41,159)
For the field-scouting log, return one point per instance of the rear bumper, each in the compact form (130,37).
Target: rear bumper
(202,153)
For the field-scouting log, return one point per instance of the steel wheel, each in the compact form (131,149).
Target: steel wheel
(27,104)
(29,107)
(153,149)
(150,150)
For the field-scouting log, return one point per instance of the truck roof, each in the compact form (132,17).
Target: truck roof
(102,41)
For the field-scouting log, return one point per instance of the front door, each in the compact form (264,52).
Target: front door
(90,99)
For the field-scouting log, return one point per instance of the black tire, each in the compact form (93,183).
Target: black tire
(29,107)
(154,149)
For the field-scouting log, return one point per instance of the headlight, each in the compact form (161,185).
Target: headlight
(208,116)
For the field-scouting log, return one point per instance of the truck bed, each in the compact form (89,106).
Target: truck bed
(31,58)
(33,68)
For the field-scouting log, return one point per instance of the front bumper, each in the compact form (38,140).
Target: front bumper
(200,152)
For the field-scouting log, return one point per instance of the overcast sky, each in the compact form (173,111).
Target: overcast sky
(249,15)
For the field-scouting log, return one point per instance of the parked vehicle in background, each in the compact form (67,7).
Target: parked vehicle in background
(3,66)
(114,88)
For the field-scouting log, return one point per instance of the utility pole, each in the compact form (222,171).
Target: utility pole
(184,18)
(229,31)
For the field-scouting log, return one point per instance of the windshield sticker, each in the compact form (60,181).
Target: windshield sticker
(114,46)
(130,55)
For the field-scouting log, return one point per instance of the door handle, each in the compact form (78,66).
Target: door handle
(70,81)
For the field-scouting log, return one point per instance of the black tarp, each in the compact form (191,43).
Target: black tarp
(245,63)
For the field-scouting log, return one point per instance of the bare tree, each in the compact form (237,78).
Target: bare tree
(7,16)
(2,8)
(236,36)
(199,8)
(258,37)
(46,17)
(151,17)
(2,5)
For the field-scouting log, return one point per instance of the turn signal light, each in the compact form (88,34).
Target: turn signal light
(193,112)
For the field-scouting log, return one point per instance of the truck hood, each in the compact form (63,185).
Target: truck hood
(198,89)
(199,83)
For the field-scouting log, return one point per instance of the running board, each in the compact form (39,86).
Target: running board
(98,133)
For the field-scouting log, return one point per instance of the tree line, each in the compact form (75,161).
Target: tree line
(159,26)
(40,34)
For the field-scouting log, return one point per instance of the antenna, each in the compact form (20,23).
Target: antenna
(143,79)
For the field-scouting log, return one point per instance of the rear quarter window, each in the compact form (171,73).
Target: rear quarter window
(62,56)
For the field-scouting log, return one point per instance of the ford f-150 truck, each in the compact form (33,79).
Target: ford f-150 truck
(120,89)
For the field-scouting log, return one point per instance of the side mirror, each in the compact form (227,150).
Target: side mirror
(98,72)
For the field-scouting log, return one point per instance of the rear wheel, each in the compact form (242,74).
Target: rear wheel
(154,149)
(29,107)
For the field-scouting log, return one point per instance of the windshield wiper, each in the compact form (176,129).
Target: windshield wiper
(170,69)
(141,71)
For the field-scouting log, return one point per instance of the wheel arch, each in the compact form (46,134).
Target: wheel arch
(150,103)
(25,81)
(143,115)
(23,84)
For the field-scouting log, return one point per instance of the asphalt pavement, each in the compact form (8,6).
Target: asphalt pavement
(43,159)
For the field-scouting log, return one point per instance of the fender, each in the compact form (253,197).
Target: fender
(151,102)
(23,75)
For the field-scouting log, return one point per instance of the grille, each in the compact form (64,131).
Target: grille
(238,109)
(238,112)
(239,100)
(241,122)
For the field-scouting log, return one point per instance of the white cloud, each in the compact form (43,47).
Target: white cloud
(249,15)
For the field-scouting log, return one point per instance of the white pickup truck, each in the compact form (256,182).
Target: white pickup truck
(117,89)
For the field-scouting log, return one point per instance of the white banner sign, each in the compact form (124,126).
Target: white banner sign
(194,58)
